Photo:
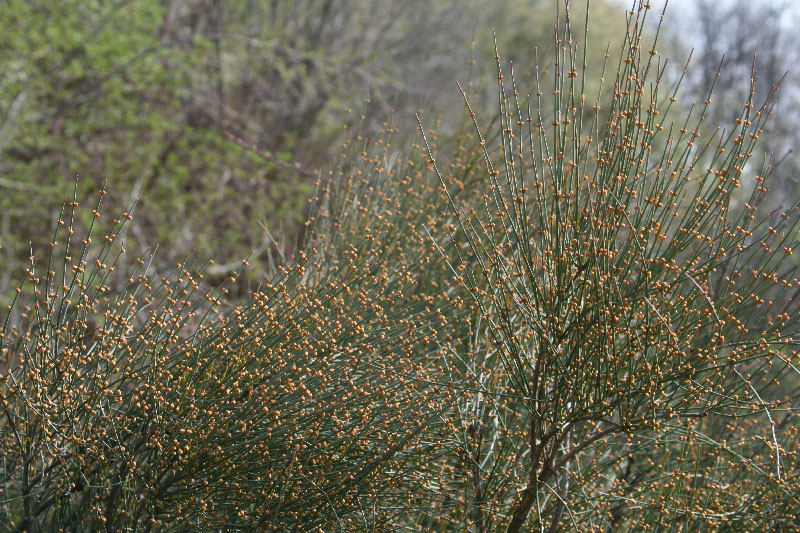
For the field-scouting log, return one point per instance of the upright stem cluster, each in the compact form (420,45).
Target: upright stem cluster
(631,292)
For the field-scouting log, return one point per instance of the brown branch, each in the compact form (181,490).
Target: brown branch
(551,466)
(477,495)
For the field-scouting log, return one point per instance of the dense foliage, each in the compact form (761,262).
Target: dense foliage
(576,316)
(220,114)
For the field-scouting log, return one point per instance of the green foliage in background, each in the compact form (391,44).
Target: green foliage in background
(219,114)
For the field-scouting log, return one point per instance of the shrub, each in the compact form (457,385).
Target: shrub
(637,350)
(578,321)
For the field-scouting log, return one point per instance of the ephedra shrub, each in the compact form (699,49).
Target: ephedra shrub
(580,321)
(147,402)
(636,356)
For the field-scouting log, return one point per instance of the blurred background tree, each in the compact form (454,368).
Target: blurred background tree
(221,114)
(745,37)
